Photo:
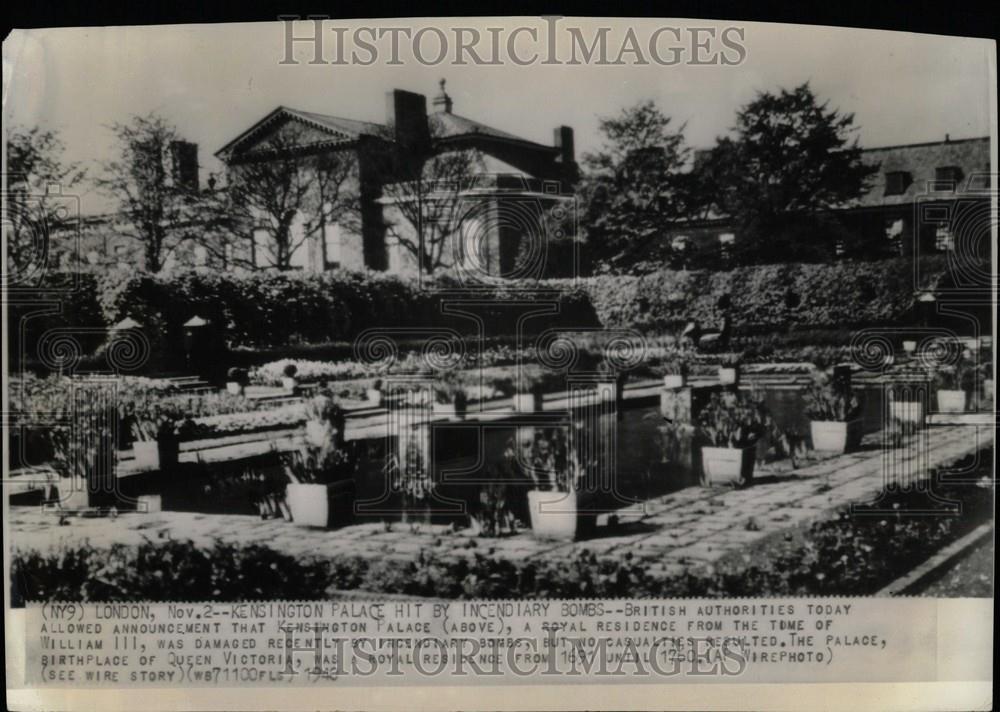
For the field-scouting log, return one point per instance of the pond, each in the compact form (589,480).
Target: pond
(467,455)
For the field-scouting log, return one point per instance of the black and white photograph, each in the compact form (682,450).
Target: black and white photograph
(530,320)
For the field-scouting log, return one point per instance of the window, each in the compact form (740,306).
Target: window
(262,249)
(896,182)
(947,177)
(332,245)
(979,181)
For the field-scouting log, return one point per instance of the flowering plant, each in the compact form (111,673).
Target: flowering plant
(824,401)
(320,465)
(732,420)
(552,463)
(958,377)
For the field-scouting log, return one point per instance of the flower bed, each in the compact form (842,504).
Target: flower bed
(216,426)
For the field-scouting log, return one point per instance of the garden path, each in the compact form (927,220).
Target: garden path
(686,529)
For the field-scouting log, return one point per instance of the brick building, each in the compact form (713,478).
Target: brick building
(924,197)
(513,185)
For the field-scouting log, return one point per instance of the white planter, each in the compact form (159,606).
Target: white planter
(553,514)
(527,403)
(318,433)
(727,465)
(728,376)
(147,454)
(907,411)
(308,504)
(835,435)
(155,454)
(72,493)
(673,381)
(149,503)
(374,396)
(949,401)
(235,388)
(909,346)
(289,384)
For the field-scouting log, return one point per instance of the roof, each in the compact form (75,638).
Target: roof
(348,128)
(339,129)
(443,125)
(921,160)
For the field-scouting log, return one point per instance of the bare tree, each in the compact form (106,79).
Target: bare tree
(281,183)
(160,209)
(35,166)
(426,196)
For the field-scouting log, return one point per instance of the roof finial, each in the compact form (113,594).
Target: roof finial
(442,101)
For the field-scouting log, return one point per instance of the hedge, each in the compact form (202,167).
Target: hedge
(271,311)
(764,297)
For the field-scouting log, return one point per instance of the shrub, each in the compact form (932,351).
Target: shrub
(732,420)
(825,401)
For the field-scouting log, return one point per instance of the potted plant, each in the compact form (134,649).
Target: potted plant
(556,474)
(321,486)
(237,380)
(952,385)
(729,371)
(409,476)
(79,459)
(288,379)
(374,393)
(450,397)
(529,397)
(729,426)
(324,421)
(154,424)
(674,371)
(906,411)
(834,414)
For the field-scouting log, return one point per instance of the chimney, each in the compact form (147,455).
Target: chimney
(406,113)
(947,138)
(184,165)
(442,102)
(563,140)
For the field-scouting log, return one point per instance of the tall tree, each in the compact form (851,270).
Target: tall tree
(281,184)
(791,158)
(159,208)
(633,187)
(35,167)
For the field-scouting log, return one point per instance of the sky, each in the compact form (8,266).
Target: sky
(214,81)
